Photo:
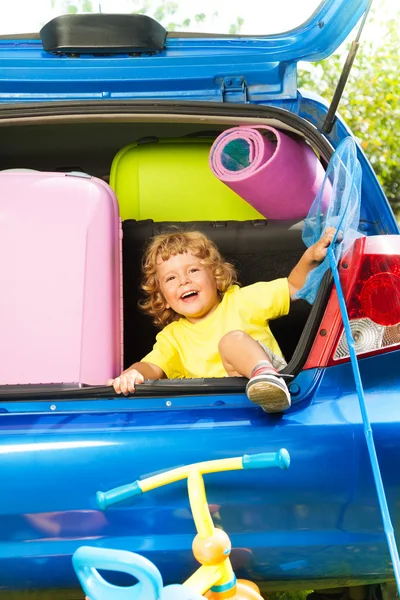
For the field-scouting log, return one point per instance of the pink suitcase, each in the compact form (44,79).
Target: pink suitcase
(61,285)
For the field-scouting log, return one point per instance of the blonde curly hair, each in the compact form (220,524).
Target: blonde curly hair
(166,245)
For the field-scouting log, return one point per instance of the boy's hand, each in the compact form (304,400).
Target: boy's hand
(311,258)
(317,251)
(126,382)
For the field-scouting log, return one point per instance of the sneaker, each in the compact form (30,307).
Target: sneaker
(268,390)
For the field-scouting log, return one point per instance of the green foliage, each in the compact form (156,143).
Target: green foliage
(163,13)
(163,10)
(167,8)
(370,102)
(72,6)
(235,28)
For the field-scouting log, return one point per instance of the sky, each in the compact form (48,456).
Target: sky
(260,17)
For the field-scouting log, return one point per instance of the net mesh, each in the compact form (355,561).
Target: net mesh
(341,211)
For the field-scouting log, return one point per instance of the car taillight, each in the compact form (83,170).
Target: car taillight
(370,277)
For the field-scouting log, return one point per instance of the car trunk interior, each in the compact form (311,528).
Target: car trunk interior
(259,249)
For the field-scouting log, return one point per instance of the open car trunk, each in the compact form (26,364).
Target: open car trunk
(70,138)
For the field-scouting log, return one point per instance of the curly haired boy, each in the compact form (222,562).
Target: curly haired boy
(212,327)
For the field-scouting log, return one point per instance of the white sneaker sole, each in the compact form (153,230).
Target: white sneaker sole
(270,392)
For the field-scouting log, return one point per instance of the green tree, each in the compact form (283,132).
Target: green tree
(163,11)
(72,6)
(235,28)
(370,102)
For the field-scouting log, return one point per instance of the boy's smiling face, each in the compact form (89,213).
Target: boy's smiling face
(188,286)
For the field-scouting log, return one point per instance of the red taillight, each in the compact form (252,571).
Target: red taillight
(370,276)
(380,298)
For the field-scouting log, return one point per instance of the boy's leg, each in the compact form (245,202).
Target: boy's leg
(241,355)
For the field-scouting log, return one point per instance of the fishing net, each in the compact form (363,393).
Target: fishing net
(341,211)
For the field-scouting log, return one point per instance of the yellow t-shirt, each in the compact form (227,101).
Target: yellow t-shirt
(185,349)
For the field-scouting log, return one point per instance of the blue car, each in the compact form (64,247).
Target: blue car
(71,99)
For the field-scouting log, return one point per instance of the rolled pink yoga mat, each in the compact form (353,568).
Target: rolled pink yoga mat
(280,179)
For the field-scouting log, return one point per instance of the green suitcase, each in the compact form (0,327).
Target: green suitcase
(170,180)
